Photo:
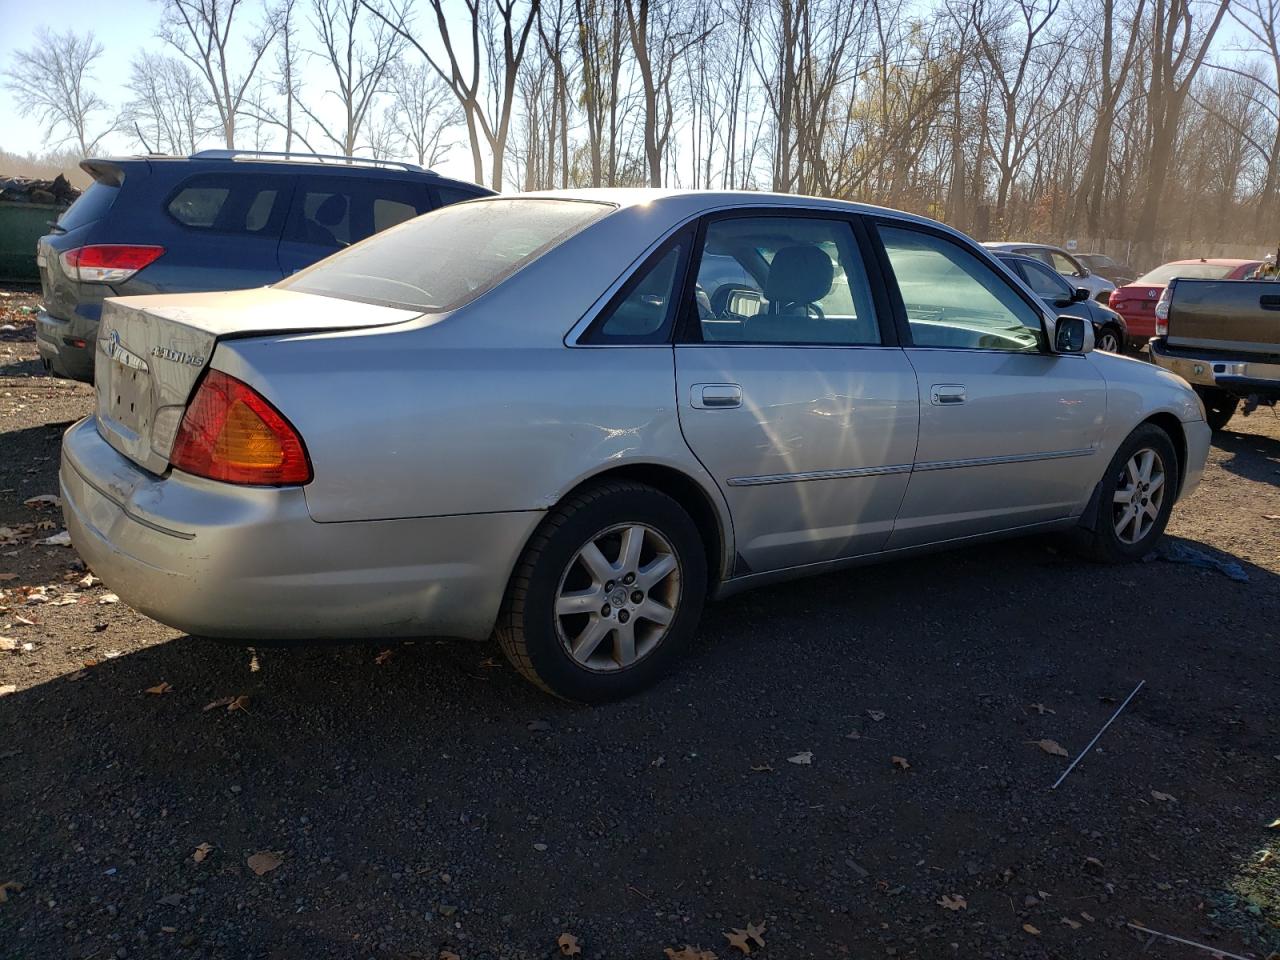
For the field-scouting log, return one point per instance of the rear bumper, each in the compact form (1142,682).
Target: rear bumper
(1237,374)
(57,342)
(249,563)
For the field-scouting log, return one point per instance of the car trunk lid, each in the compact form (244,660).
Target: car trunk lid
(152,351)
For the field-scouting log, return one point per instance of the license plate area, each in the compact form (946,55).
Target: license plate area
(125,398)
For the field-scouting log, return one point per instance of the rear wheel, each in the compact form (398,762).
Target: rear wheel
(1219,406)
(1136,496)
(606,595)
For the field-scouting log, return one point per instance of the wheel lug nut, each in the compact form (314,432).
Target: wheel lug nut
(610,585)
(637,597)
(604,611)
(629,579)
(623,616)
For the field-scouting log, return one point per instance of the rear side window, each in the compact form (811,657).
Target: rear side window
(92,206)
(447,258)
(231,203)
(335,212)
(450,195)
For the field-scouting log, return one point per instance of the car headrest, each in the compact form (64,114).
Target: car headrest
(799,274)
(331,210)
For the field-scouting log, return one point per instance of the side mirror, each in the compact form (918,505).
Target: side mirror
(1072,335)
(1079,294)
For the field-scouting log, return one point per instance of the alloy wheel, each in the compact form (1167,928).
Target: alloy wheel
(1139,495)
(1109,342)
(618,597)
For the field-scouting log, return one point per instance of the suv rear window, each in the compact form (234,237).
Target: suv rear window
(445,259)
(231,203)
(92,205)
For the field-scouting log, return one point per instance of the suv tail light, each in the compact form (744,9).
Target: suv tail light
(231,433)
(1162,311)
(107,262)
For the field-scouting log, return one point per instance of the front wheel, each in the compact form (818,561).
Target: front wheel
(1219,407)
(606,595)
(1109,339)
(1135,497)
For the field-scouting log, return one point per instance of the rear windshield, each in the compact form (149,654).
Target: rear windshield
(92,205)
(1185,271)
(444,259)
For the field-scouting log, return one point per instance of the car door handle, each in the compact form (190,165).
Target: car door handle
(714,396)
(945,394)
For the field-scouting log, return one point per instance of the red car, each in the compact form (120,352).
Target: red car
(1137,301)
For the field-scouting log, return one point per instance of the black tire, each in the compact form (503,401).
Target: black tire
(1219,407)
(535,639)
(1116,342)
(1103,542)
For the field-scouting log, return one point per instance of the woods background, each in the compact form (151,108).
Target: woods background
(1147,128)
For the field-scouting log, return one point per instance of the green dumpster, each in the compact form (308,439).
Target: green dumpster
(21,225)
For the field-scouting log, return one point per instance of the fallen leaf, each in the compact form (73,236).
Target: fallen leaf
(382,658)
(88,580)
(239,703)
(1040,708)
(953,902)
(201,852)
(8,643)
(446,954)
(802,759)
(161,687)
(689,953)
(1051,746)
(900,762)
(1163,797)
(763,768)
(1073,924)
(738,938)
(567,942)
(1267,857)
(220,702)
(6,887)
(1087,916)
(853,735)
(8,688)
(43,500)
(108,598)
(8,576)
(1094,864)
(62,539)
(876,715)
(1274,824)
(756,933)
(1031,930)
(264,862)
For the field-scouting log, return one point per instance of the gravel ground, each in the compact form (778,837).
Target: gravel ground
(420,800)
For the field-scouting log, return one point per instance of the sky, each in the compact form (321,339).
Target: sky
(123,27)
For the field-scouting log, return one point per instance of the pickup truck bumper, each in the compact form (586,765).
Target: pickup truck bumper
(1235,373)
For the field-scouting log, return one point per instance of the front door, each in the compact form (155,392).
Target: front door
(1009,433)
(791,394)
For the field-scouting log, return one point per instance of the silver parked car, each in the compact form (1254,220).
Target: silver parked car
(1076,272)
(570,418)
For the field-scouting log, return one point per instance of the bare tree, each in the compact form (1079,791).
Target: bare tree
(204,32)
(54,81)
(358,59)
(422,113)
(288,62)
(1260,20)
(168,111)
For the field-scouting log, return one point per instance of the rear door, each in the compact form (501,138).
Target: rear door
(224,233)
(330,213)
(1009,433)
(792,390)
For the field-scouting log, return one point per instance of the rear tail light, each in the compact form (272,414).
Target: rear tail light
(231,433)
(107,262)
(1162,312)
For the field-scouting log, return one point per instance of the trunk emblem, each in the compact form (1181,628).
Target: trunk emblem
(1151,294)
(113,348)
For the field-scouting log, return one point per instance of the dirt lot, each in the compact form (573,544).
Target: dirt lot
(425,799)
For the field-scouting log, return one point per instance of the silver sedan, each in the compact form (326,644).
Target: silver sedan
(568,419)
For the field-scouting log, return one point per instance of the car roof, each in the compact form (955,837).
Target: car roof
(1012,245)
(1216,261)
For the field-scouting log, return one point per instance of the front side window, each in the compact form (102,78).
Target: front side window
(231,203)
(1045,282)
(793,280)
(1065,265)
(953,299)
(447,258)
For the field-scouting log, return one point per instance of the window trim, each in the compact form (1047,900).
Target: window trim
(590,337)
(978,251)
(688,329)
(279,210)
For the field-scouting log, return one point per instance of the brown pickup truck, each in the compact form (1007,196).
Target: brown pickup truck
(1223,337)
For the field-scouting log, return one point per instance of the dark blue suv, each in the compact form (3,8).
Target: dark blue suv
(217,220)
